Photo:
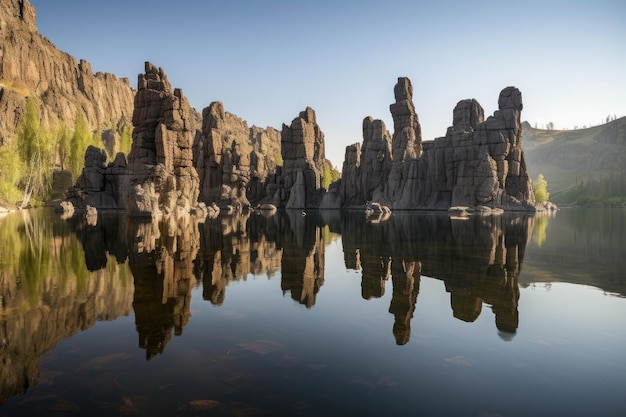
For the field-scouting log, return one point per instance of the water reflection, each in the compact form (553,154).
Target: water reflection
(48,292)
(478,258)
(58,278)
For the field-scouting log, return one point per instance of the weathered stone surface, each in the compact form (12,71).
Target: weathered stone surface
(30,65)
(303,155)
(159,177)
(478,163)
(233,161)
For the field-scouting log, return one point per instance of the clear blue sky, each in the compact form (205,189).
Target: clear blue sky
(268,60)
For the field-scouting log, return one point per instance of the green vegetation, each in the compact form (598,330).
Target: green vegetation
(276,157)
(64,136)
(79,142)
(10,175)
(126,137)
(42,152)
(608,191)
(330,174)
(584,166)
(17,86)
(541,189)
(35,153)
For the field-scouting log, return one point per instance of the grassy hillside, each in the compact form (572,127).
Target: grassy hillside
(583,166)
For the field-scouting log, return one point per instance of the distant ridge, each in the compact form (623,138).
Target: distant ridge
(579,162)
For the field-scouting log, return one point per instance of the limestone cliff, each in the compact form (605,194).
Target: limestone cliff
(31,66)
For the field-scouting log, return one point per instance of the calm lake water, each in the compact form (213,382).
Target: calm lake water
(323,314)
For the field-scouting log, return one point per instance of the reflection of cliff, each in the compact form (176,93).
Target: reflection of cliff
(478,259)
(160,255)
(303,257)
(232,248)
(48,295)
(162,265)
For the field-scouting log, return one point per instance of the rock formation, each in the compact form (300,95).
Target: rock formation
(232,160)
(479,164)
(31,66)
(302,148)
(160,163)
(159,176)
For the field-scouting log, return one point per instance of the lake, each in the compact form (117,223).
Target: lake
(326,314)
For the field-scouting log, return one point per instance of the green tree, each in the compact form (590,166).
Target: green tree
(80,141)
(541,189)
(126,139)
(10,174)
(34,150)
(329,175)
(63,146)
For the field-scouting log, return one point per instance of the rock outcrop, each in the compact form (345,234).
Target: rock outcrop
(303,154)
(159,177)
(233,160)
(31,66)
(479,164)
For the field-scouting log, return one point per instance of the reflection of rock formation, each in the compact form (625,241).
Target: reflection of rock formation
(161,255)
(162,266)
(48,295)
(302,265)
(233,247)
(478,259)
(406,283)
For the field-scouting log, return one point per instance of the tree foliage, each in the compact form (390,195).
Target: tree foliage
(63,146)
(10,174)
(330,174)
(126,138)
(540,186)
(35,153)
(79,142)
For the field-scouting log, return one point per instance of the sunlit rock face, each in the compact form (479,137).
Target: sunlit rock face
(367,168)
(158,177)
(234,160)
(478,164)
(161,157)
(303,154)
(60,85)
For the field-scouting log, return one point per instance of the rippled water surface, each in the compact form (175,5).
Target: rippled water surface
(323,314)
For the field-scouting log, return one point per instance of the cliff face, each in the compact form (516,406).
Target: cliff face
(478,164)
(31,66)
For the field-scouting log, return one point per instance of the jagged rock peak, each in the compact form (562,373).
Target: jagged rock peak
(403,89)
(407,135)
(467,115)
(18,11)
(510,98)
(309,115)
(154,79)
